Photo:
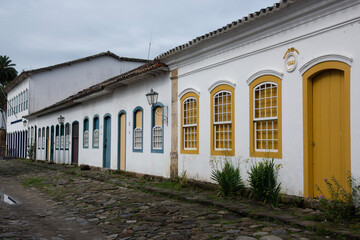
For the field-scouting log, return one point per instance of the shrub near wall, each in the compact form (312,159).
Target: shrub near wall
(263,181)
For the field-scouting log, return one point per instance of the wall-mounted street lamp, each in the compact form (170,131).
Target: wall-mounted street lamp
(24,122)
(61,120)
(152,98)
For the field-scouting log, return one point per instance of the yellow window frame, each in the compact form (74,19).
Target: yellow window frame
(254,84)
(182,100)
(213,151)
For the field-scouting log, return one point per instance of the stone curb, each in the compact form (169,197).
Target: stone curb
(244,212)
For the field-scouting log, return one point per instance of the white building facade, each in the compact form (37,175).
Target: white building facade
(110,124)
(39,88)
(264,87)
(280,84)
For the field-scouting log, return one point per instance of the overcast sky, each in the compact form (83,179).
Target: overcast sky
(39,33)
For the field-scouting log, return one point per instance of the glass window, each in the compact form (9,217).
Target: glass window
(222,120)
(190,124)
(67,136)
(86,133)
(43,138)
(62,138)
(96,132)
(39,138)
(157,129)
(265,129)
(57,140)
(138,130)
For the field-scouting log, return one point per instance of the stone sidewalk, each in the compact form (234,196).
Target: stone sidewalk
(108,205)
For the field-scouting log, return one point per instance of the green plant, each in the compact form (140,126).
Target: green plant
(183,179)
(263,181)
(341,203)
(228,178)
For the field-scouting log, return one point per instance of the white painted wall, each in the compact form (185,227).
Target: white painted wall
(13,121)
(314,36)
(53,86)
(126,98)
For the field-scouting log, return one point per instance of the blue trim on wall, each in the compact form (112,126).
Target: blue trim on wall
(119,134)
(158,104)
(109,137)
(88,126)
(72,142)
(16,121)
(138,108)
(67,124)
(93,129)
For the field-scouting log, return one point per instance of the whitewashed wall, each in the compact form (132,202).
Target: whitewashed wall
(126,98)
(14,122)
(52,86)
(313,36)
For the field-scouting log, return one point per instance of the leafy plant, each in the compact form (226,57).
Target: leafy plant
(263,182)
(183,179)
(341,203)
(228,179)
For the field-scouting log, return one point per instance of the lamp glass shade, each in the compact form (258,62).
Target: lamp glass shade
(152,97)
(61,119)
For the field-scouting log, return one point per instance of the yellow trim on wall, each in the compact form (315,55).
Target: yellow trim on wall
(212,145)
(182,147)
(253,152)
(308,118)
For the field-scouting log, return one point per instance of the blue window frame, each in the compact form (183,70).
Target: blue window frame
(96,139)
(138,123)
(86,133)
(57,138)
(157,128)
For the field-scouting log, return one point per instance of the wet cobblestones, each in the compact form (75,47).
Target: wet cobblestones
(96,205)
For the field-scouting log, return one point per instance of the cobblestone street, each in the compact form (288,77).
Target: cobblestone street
(62,202)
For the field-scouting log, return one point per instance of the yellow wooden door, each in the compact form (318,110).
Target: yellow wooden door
(328,129)
(122,141)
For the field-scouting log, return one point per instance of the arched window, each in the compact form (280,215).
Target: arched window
(26,99)
(39,138)
(57,140)
(86,133)
(265,117)
(222,120)
(62,139)
(157,128)
(43,138)
(67,136)
(138,130)
(190,123)
(96,132)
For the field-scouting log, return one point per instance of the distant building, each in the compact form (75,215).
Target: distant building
(39,88)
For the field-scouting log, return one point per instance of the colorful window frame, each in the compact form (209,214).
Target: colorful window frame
(222,104)
(96,133)
(189,123)
(138,123)
(86,138)
(157,128)
(265,117)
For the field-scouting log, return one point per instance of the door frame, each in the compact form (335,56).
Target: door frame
(307,77)
(47,153)
(108,146)
(72,141)
(119,139)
